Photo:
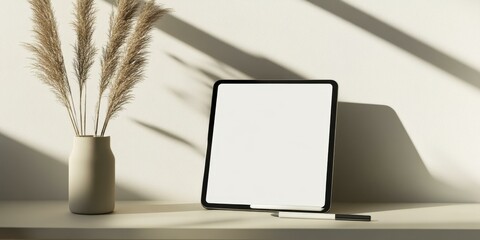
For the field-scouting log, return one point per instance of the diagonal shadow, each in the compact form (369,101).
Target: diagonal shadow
(209,75)
(170,135)
(207,79)
(253,66)
(412,45)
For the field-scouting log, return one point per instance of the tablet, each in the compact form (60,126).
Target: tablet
(270,145)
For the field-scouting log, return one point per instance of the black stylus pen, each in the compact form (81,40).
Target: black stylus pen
(329,216)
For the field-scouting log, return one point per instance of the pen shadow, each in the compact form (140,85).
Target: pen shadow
(377,162)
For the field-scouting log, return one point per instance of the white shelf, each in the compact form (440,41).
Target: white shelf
(162,220)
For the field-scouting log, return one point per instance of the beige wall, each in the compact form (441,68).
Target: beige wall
(409,70)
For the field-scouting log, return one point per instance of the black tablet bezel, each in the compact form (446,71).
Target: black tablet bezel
(333,114)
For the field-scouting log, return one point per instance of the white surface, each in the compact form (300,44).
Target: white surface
(163,220)
(270,144)
(299,215)
(287,207)
(438,110)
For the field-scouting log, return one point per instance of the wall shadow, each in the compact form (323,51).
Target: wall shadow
(376,161)
(207,74)
(251,65)
(170,135)
(402,40)
(28,174)
(193,97)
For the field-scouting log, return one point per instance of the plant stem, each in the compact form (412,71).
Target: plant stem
(81,110)
(104,128)
(85,110)
(75,129)
(72,104)
(73,112)
(97,113)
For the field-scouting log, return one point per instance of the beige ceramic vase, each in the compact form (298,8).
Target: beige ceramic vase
(91,176)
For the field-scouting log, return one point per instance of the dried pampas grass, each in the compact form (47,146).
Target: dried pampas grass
(84,52)
(48,57)
(133,62)
(122,62)
(120,26)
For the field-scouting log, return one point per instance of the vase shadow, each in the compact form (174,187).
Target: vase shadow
(28,174)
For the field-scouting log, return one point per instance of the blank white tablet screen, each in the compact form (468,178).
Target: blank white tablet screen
(270,144)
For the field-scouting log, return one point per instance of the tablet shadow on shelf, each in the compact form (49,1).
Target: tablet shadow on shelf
(376,161)
(28,174)
(152,207)
(363,208)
